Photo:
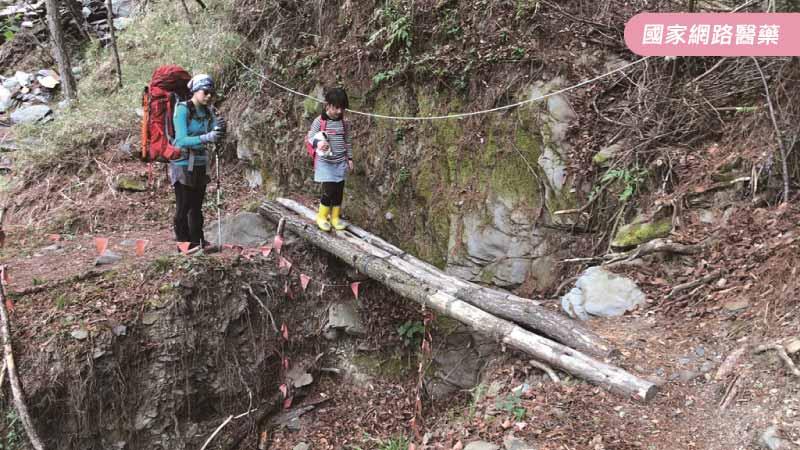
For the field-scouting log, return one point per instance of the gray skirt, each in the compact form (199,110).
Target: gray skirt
(326,172)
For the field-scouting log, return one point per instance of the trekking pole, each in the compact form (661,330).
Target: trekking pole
(219,214)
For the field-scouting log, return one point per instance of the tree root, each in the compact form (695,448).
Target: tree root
(656,246)
(546,369)
(693,284)
(781,350)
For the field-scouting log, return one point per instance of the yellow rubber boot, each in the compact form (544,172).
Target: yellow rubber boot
(335,213)
(322,218)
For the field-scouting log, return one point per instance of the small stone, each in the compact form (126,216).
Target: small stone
(80,334)
(345,316)
(700,351)
(24,79)
(512,443)
(51,248)
(707,366)
(521,389)
(658,381)
(706,216)
(293,425)
(120,330)
(389,216)
(302,446)
(108,257)
(120,23)
(98,353)
(150,318)
(687,375)
(481,445)
(48,82)
(331,334)
(722,282)
(736,304)
(300,377)
(684,360)
(126,149)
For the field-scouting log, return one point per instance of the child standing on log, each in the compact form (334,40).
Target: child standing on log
(332,142)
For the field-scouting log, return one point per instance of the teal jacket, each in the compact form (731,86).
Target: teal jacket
(188,132)
(187,138)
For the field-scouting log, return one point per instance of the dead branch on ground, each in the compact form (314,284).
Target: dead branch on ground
(13,378)
(69,280)
(693,284)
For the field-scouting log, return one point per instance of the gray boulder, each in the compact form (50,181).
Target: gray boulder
(247,229)
(30,114)
(601,293)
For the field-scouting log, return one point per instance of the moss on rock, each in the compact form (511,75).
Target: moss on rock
(132,183)
(640,232)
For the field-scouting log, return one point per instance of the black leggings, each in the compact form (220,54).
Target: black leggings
(188,221)
(332,193)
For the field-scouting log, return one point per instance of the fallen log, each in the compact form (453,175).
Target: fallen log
(411,287)
(523,311)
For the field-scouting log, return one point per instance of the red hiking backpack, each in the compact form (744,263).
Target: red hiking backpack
(323,126)
(168,86)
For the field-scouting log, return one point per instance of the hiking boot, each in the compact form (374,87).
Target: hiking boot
(322,218)
(335,214)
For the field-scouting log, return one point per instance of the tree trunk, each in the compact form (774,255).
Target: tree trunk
(80,21)
(523,311)
(411,287)
(59,50)
(16,387)
(110,16)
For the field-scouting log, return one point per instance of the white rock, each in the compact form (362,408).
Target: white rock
(5,99)
(48,82)
(601,293)
(23,78)
(120,23)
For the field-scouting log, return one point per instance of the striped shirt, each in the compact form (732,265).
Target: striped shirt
(341,143)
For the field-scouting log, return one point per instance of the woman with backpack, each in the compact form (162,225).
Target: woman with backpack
(196,128)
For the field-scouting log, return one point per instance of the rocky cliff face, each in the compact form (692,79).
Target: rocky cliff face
(200,349)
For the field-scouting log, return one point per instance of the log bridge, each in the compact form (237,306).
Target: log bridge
(521,323)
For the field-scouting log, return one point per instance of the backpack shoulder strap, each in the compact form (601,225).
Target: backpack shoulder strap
(323,124)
